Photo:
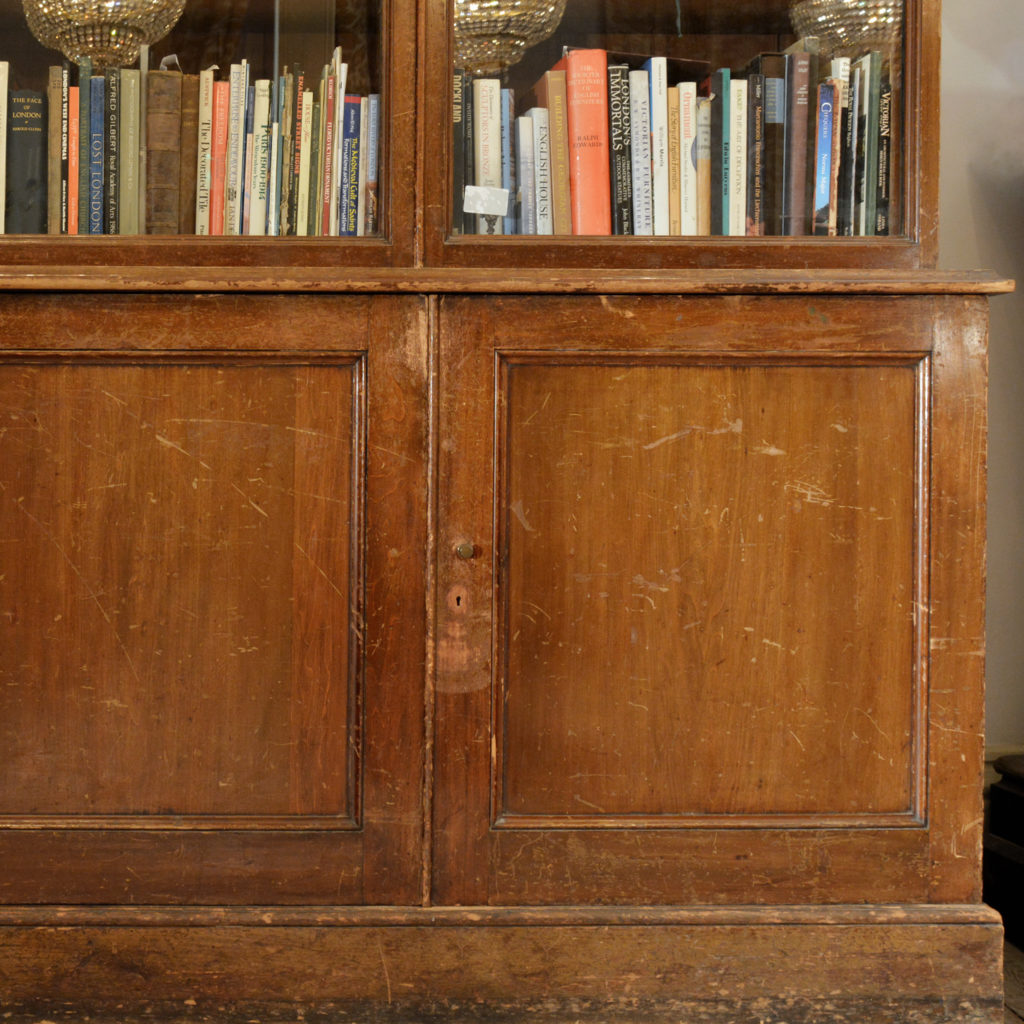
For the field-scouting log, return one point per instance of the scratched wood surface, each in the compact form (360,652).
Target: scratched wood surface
(708,479)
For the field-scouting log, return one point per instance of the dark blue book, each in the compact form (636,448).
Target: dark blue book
(97,124)
(823,198)
(348,219)
(720,115)
(26,201)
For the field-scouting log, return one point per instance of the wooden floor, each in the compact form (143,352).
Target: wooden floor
(1014,961)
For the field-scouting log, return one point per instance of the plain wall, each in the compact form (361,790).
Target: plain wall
(981,225)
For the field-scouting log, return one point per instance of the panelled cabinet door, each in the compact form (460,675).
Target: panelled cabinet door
(709,608)
(204,696)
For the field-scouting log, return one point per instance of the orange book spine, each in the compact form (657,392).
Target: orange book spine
(219,155)
(586,83)
(74,131)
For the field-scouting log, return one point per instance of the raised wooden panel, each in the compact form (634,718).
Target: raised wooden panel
(204,697)
(708,590)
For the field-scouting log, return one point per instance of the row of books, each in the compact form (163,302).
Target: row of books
(610,143)
(138,151)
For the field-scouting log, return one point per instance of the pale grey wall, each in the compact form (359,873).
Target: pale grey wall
(981,224)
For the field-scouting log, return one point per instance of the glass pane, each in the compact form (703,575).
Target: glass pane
(256,117)
(677,117)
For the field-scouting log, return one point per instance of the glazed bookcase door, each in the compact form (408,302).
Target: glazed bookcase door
(700,630)
(377,40)
(204,699)
(723,34)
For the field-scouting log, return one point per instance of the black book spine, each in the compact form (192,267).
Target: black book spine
(755,155)
(65,185)
(619,124)
(111,151)
(458,147)
(469,160)
(25,202)
(719,139)
(884,186)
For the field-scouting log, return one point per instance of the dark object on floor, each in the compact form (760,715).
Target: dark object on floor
(1003,871)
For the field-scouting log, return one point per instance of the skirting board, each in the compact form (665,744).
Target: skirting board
(904,964)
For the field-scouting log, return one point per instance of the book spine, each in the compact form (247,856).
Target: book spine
(340,85)
(619,143)
(755,221)
(187,160)
(53,177)
(129,126)
(657,68)
(84,76)
(97,111)
(675,170)
(5,84)
(364,117)
(204,152)
(558,122)
(640,152)
(720,139)
(703,148)
(586,84)
(327,192)
(542,169)
(219,155)
(27,144)
(350,166)
(247,157)
(840,69)
(773,67)
(737,157)
(795,219)
(526,177)
(487,146)
(163,151)
(825,108)
(469,223)
(852,155)
(304,151)
(65,142)
(236,145)
(883,196)
(688,160)
(458,148)
(261,159)
(74,136)
(143,131)
(112,153)
(508,164)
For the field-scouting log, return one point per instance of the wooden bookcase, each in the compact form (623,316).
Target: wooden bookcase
(426,627)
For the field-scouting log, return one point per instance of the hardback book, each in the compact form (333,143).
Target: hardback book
(129,221)
(550,92)
(508,163)
(54,181)
(737,156)
(112,153)
(219,154)
(755,154)
(274,196)
(187,161)
(468,153)
(811,47)
(74,135)
(720,139)
(657,69)
(65,142)
(349,198)
(25,198)
(542,169)
(204,152)
(795,216)
(824,193)
(340,74)
(526,190)
(586,84)
(233,184)
(5,84)
(371,221)
(772,66)
(459,79)
(619,142)
(840,70)
(688,162)
(867,145)
(305,145)
(84,76)
(143,142)
(247,149)
(703,148)
(259,202)
(487,146)
(97,177)
(287,129)
(328,191)
(883,190)
(364,120)
(163,151)
(675,171)
(640,152)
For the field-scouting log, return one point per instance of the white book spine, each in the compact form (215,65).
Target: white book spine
(487,145)
(233,183)
(659,144)
(204,150)
(273,210)
(688,144)
(542,169)
(260,159)
(525,176)
(5,78)
(640,151)
(364,135)
(737,157)
(302,215)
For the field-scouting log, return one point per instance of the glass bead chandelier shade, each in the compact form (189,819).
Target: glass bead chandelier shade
(491,35)
(850,26)
(108,31)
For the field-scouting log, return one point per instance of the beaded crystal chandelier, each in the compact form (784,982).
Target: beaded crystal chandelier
(850,25)
(108,31)
(491,35)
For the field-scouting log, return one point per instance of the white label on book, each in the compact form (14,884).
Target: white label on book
(486,201)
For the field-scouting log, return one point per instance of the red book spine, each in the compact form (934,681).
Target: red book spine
(219,155)
(586,82)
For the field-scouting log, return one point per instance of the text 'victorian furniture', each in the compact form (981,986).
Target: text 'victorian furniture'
(425,626)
